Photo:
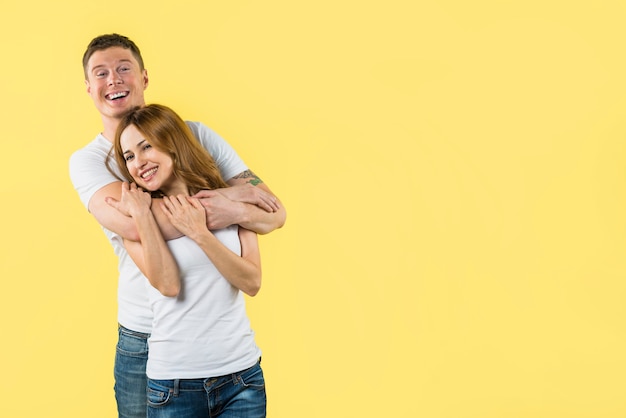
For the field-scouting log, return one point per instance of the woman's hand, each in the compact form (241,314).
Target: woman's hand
(186,214)
(133,202)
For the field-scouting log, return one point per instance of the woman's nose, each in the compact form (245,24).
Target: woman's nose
(139,161)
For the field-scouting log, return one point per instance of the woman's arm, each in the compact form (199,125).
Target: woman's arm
(105,207)
(243,272)
(151,254)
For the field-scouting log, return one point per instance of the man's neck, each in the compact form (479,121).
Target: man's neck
(110,126)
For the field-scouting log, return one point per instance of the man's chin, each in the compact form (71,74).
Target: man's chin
(121,105)
(118,112)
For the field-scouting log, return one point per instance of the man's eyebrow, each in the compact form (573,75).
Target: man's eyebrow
(122,61)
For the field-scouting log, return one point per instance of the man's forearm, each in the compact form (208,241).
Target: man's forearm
(252,214)
(222,212)
(260,221)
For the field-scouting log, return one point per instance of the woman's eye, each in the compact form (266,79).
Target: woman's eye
(147,146)
(128,158)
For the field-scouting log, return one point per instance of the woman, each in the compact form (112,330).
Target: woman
(203,359)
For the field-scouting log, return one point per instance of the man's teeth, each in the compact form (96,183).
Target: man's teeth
(117,95)
(148,173)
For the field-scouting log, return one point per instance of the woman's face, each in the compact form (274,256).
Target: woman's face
(150,168)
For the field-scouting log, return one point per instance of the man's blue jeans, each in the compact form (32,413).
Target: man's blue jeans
(130,373)
(238,395)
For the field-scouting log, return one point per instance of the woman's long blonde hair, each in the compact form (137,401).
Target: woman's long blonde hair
(167,132)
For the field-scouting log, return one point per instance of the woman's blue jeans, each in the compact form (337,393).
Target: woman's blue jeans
(237,395)
(130,373)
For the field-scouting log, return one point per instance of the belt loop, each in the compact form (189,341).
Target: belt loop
(176,387)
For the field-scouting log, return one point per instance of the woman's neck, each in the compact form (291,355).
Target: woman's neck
(177,187)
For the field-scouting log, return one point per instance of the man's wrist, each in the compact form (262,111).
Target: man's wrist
(244,213)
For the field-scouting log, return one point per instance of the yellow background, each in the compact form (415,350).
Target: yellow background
(454,174)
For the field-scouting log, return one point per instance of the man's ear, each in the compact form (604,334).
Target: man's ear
(88,86)
(145,79)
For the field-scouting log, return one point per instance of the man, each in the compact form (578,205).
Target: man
(116,79)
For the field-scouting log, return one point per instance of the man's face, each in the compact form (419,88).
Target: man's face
(115,82)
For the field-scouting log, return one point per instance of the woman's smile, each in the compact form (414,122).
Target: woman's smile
(147,175)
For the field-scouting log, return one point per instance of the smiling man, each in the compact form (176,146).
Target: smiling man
(116,79)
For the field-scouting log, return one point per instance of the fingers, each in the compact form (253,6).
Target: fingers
(167,204)
(112,202)
(182,200)
(175,203)
(195,203)
(264,200)
(265,206)
(130,187)
(267,202)
(205,193)
(185,213)
(171,202)
(134,187)
(272,204)
(165,209)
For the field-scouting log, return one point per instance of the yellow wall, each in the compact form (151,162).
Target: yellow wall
(454,174)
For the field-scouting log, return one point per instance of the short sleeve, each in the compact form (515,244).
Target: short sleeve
(88,171)
(227,160)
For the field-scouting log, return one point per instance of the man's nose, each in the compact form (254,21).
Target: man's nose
(114,78)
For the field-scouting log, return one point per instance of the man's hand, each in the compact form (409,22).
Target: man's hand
(252,207)
(221,212)
(246,193)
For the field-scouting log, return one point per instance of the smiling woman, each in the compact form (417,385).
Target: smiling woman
(149,167)
(155,148)
(205,334)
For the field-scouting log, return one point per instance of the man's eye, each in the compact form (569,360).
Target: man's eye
(124,69)
(101,74)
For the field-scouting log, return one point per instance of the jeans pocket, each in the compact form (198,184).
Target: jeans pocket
(132,345)
(158,395)
(253,378)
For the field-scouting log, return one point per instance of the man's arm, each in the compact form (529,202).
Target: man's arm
(104,205)
(248,203)
(255,218)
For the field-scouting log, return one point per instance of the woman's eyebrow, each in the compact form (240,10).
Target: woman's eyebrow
(138,144)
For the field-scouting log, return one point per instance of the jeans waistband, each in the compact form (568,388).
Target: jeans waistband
(177,385)
(127,331)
